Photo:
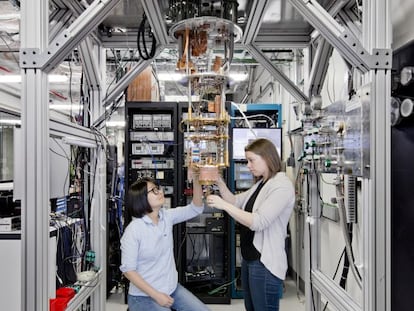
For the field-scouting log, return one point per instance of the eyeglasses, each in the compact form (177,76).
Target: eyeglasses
(156,190)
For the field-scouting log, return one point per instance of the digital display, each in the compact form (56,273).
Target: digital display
(243,136)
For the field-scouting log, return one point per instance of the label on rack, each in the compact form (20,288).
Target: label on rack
(151,148)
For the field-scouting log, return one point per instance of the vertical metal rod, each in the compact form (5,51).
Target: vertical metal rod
(377,34)
(35,192)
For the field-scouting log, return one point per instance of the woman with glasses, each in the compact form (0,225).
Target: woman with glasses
(147,249)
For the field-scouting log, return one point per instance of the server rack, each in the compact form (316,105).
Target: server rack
(150,149)
(261,116)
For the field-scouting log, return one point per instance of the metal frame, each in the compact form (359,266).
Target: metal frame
(377,293)
(128,78)
(342,39)
(48,58)
(38,58)
(280,76)
(372,56)
(35,125)
(92,72)
(320,67)
(255,19)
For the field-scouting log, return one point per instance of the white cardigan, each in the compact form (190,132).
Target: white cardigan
(271,214)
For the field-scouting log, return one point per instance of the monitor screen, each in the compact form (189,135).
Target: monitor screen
(243,136)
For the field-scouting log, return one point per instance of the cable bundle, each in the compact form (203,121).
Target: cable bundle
(141,44)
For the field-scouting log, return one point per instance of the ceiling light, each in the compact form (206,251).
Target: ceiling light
(18,78)
(176,76)
(170,76)
(180,98)
(238,76)
(115,123)
(73,107)
(10,122)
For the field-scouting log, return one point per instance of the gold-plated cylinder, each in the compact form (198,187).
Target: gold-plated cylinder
(208,174)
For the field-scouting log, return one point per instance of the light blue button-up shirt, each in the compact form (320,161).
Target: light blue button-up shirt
(147,248)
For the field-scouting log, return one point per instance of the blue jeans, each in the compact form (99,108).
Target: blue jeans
(261,288)
(184,300)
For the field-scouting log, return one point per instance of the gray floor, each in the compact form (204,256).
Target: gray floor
(291,301)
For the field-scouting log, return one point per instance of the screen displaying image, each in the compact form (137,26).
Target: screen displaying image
(243,136)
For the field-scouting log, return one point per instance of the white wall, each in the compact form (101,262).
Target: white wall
(402,16)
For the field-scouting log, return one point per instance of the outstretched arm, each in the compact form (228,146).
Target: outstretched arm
(241,216)
(197,190)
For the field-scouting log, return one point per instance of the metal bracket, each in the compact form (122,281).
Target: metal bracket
(30,58)
(64,43)
(379,59)
(33,58)
(341,38)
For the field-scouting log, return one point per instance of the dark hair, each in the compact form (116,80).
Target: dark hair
(267,150)
(137,204)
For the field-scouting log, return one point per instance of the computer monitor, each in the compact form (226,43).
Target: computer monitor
(243,136)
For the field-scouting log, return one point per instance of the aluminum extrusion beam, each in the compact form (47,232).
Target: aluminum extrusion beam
(377,33)
(279,76)
(90,64)
(61,19)
(126,80)
(35,163)
(336,296)
(84,293)
(312,240)
(59,128)
(63,44)
(281,40)
(334,10)
(346,16)
(156,20)
(59,4)
(341,38)
(98,204)
(320,66)
(77,8)
(254,21)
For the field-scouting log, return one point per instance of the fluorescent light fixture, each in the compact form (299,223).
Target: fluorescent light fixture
(177,76)
(181,98)
(170,76)
(115,123)
(6,186)
(18,78)
(74,107)
(238,76)
(10,122)
(76,141)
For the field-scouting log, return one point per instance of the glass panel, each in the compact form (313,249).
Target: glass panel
(7,123)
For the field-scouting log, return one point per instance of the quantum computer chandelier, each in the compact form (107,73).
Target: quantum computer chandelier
(206,32)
